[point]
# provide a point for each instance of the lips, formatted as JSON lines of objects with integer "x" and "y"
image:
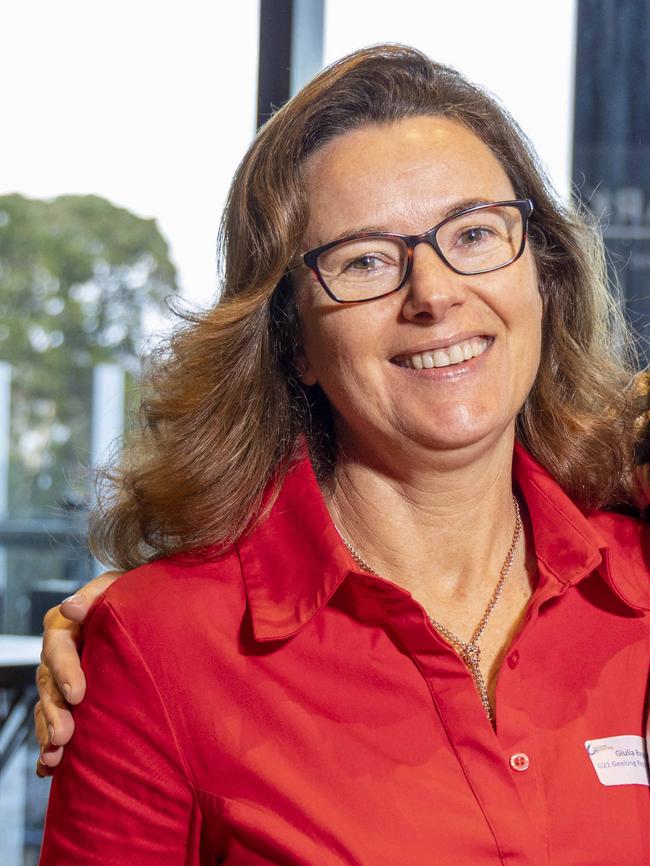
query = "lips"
{"x": 447, "y": 356}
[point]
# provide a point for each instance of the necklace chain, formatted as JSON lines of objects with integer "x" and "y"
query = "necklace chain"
{"x": 469, "y": 651}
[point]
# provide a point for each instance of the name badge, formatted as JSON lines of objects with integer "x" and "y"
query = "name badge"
{"x": 619, "y": 760}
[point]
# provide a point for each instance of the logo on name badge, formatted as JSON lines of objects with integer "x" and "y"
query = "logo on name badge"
{"x": 621, "y": 760}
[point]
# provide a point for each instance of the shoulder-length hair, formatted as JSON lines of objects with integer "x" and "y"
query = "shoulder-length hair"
{"x": 224, "y": 413}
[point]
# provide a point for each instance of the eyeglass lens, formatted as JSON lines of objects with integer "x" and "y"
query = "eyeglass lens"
{"x": 481, "y": 240}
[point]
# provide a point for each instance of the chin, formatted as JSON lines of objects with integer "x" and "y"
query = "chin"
{"x": 453, "y": 436}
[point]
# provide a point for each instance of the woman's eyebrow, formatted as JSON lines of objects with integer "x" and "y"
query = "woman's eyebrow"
{"x": 464, "y": 204}
{"x": 452, "y": 209}
{"x": 358, "y": 230}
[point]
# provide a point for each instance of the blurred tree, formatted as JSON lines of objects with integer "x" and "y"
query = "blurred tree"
{"x": 77, "y": 277}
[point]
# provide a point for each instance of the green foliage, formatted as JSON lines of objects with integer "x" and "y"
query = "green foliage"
{"x": 77, "y": 277}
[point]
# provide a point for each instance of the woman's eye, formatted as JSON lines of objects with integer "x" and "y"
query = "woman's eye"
{"x": 474, "y": 235}
{"x": 366, "y": 263}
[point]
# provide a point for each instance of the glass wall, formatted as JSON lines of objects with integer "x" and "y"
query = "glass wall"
{"x": 122, "y": 125}
{"x": 611, "y": 168}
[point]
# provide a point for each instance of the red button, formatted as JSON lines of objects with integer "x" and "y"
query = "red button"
{"x": 520, "y": 762}
{"x": 513, "y": 659}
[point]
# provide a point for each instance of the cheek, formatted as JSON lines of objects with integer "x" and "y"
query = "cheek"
{"x": 327, "y": 351}
{"x": 537, "y": 317}
{"x": 530, "y": 343}
{"x": 319, "y": 347}
{"x": 532, "y": 317}
{"x": 529, "y": 308}
{"x": 335, "y": 339}
{"x": 341, "y": 354}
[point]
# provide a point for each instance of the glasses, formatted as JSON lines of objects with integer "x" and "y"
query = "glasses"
{"x": 477, "y": 240}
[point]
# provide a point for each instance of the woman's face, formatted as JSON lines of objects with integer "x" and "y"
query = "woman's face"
{"x": 406, "y": 177}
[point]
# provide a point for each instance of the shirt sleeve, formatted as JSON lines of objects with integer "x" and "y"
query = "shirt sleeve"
{"x": 122, "y": 794}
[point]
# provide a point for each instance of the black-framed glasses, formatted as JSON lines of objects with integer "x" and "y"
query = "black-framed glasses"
{"x": 368, "y": 266}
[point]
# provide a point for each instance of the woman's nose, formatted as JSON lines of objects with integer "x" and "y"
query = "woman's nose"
{"x": 432, "y": 287}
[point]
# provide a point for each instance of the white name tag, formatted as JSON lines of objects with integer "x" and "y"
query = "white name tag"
{"x": 619, "y": 760}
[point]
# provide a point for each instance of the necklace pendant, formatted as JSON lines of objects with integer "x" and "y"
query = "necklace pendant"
{"x": 471, "y": 654}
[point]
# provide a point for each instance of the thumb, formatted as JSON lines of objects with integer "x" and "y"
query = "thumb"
{"x": 77, "y": 606}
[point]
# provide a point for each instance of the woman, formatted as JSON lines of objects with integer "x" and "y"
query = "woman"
{"x": 377, "y": 615}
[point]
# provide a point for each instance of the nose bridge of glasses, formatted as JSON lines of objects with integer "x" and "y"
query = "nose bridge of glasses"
{"x": 431, "y": 284}
{"x": 430, "y": 239}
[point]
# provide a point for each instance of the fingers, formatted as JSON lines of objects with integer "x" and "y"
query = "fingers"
{"x": 60, "y": 653}
{"x": 53, "y": 723}
{"x": 57, "y": 719}
{"x": 50, "y": 756}
{"x": 76, "y": 607}
{"x": 60, "y": 658}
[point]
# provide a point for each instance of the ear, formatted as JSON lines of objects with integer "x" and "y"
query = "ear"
{"x": 303, "y": 370}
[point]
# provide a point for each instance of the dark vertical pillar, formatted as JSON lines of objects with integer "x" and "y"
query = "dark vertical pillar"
{"x": 291, "y": 50}
{"x": 611, "y": 159}
{"x": 274, "y": 78}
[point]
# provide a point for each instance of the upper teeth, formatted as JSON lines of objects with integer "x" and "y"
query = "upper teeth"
{"x": 455, "y": 354}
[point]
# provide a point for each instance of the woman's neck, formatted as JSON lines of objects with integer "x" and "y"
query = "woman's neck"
{"x": 441, "y": 528}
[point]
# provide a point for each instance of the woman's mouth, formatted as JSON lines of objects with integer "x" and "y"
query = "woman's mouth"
{"x": 458, "y": 353}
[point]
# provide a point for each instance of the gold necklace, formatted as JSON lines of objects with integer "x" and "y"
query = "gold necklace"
{"x": 469, "y": 651}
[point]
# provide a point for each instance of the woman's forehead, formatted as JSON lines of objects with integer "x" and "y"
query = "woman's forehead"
{"x": 391, "y": 176}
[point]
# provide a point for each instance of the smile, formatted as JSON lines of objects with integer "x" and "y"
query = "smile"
{"x": 447, "y": 357}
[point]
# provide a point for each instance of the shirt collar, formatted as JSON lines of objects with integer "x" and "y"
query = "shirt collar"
{"x": 571, "y": 544}
{"x": 294, "y": 560}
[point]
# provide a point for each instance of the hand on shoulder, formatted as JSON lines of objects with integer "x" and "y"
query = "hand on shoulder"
{"x": 59, "y": 677}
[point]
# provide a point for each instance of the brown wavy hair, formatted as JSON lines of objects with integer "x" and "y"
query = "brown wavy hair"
{"x": 223, "y": 412}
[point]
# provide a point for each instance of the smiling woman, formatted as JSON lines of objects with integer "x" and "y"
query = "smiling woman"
{"x": 204, "y": 481}
{"x": 414, "y": 172}
{"x": 372, "y": 481}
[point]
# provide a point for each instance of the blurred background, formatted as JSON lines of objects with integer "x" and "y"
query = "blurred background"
{"x": 122, "y": 124}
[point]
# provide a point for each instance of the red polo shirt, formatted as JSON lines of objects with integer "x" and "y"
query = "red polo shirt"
{"x": 273, "y": 705}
